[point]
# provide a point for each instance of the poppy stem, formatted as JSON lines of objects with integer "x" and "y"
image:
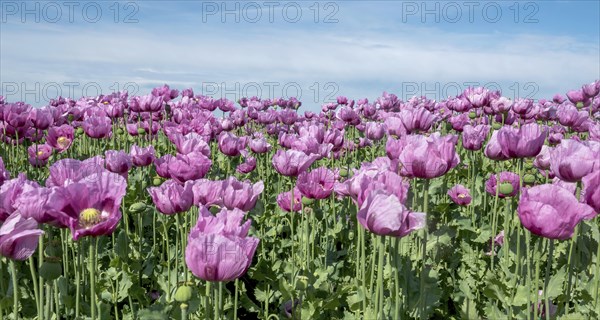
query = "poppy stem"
{"x": 547, "y": 279}
{"x": 92, "y": 266}
{"x": 13, "y": 272}
{"x": 422, "y": 291}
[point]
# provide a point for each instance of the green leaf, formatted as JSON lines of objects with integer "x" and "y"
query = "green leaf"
{"x": 555, "y": 285}
{"x": 521, "y": 296}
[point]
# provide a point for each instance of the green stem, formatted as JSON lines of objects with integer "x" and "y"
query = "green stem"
{"x": 547, "y": 280}
{"x": 235, "y": 299}
{"x": 92, "y": 267}
{"x": 13, "y": 272}
{"x": 35, "y": 286}
{"x": 422, "y": 291}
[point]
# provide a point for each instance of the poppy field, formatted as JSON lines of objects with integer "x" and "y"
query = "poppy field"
{"x": 174, "y": 205}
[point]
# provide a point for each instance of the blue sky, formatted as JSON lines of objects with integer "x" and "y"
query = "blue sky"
{"x": 316, "y": 50}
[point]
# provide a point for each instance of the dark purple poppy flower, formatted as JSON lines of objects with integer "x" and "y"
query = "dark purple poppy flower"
{"x": 383, "y": 214}
{"x": 60, "y": 138}
{"x": 524, "y": 142}
{"x": 91, "y": 207}
{"x": 507, "y": 182}
{"x": 118, "y": 162}
{"x": 317, "y": 184}
{"x": 142, "y": 157}
{"x": 551, "y": 211}
{"x": 219, "y": 248}
{"x": 348, "y": 115}
{"x": 460, "y": 195}
{"x": 172, "y": 197}
{"x": 19, "y": 237}
{"x": 292, "y": 162}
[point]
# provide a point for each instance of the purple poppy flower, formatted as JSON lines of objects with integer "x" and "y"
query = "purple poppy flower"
{"x": 348, "y": 115}
{"x": 151, "y": 103}
{"x": 417, "y": 120}
{"x": 284, "y": 200}
{"x": 247, "y": 166}
{"x": 4, "y": 174}
{"x": 383, "y": 214}
{"x": 571, "y": 160}
{"x": 317, "y": 184}
{"x": 460, "y": 195}
{"x": 551, "y": 211}
{"x": 186, "y": 167}
{"x": 91, "y": 207}
{"x": 191, "y": 142}
{"x": 508, "y": 181}
{"x": 219, "y": 248}
{"x": 39, "y": 154}
{"x": 230, "y": 144}
{"x": 591, "y": 90}
{"x": 118, "y": 162}
{"x": 591, "y": 190}
{"x": 291, "y": 163}
{"x": 10, "y": 192}
{"x": 542, "y": 160}
{"x": 142, "y": 157}
{"x": 207, "y": 192}
{"x": 428, "y": 157}
{"x": 501, "y": 105}
{"x": 19, "y": 237}
{"x": 97, "y": 127}
{"x": 576, "y": 96}
{"x": 473, "y": 137}
{"x": 172, "y": 197}
{"x": 240, "y": 195}
{"x": 259, "y": 145}
{"x": 41, "y": 118}
{"x": 524, "y": 142}
{"x": 60, "y": 138}
{"x": 162, "y": 166}
{"x": 375, "y": 130}
{"x": 67, "y": 171}
{"x": 33, "y": 203}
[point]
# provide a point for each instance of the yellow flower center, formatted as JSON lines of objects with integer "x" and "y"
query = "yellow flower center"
{"x": 105, "y": 102}
{"x": 461, "y": 195}
{"x": 39, "y": 153}
{"x": 89, "y": 217}
{"x": 63, "y": 142}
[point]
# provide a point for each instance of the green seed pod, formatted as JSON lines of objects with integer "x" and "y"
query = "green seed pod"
{"x": 53, "y": 250}
{"x": 351, "y": 235}
{"x": 528, "y": 165}
{"x": 301, "y": 283}
{"x": 506, "y": 188}
{"x": 70, "y": 117}
{"x": 137, "y": 207}
{"x": 343, "y": 173}
{"x": 157, "y": 181}
{"x": 497, "y": 125}
{"x": 579, "y": 105}
{"x": 183, "y": 294}
{"x": 214, "y": 209}
{"x": 50, "y": 270}
{"x": 120, "y": 131}
{"x": 141, "y": 131}
{"x": 130, "y": 139}
{"x": 307, "y": 202}
{"x": 472, "y": 115}
{"x": 79, "y": 131}
{"x": 529, "y": 179}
